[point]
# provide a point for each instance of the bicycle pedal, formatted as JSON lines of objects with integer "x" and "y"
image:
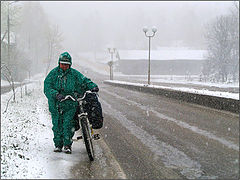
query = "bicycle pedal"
{"x": 79, "y": 137}
{"x": 96, "y": 136}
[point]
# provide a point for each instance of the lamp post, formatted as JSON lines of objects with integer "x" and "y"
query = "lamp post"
{"x": 145, "y": 30}
{"x": 110, "y": 63}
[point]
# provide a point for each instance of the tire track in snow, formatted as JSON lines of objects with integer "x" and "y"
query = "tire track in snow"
{"x": 194, "y": 129}
{"x": 171, "y": 156}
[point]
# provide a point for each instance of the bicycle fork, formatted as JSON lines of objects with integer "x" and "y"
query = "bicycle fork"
{"x": 91, "y": 132}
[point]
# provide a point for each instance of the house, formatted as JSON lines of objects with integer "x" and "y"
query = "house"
{"x": 164, "y": 61}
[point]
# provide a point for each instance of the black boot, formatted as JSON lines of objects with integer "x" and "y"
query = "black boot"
{"x": 57, "y": 149}
{"x": 67, "y": 149}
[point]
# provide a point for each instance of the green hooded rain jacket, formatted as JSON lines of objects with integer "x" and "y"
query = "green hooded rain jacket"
{"x": 67, "y": 83}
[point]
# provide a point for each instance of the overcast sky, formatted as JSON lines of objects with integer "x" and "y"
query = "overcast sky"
{"x": 98, "y": 25}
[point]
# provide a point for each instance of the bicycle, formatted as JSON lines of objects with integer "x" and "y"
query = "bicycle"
{"x": 86, "y": 127}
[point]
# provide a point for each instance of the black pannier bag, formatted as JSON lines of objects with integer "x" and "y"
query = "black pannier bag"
{"x": 94, "y": 109}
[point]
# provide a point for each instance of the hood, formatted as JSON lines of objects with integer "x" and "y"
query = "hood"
{"x": 65, "y": 58}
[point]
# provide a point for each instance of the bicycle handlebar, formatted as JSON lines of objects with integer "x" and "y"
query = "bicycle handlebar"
{"x": 78, "y": 99}
{"x": 68, "y": 97}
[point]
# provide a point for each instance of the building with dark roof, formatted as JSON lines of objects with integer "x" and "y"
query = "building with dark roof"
{"x": 167, "y": 61}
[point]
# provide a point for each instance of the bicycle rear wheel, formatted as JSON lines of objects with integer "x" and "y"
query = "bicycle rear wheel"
{"x": 87, "y": 138}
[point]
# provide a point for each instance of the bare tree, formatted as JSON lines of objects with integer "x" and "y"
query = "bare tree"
{"x": 234, "y": 33}
{"x": 217, "y": 38}
{"x": 9, "y": 21}
{"x": 32, "y": 35}
{"x": 3, "y": 36}
{"x": 8, "y": 75}
{"x": 54, "y": 39}
{"x": 223, "y": 48}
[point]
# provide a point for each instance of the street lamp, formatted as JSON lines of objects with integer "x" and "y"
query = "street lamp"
{"x": 110, "y": 63}
{"x": 145, "y": 30}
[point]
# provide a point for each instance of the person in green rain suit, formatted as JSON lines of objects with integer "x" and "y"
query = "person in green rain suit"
{"x": 61, "y": 81}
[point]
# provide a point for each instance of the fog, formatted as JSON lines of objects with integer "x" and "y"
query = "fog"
{"x": 98, "y": 25}
{"x": 40, "y": 31}
{"x": 170, "y": 111}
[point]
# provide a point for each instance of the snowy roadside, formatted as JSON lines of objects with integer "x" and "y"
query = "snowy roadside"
{"x": 183, "y": 89}
{"x": 6, "y": 83}
{"x": 20, "y": 128}
{"x": 35, "y": 78}
{"x": 26, "y": 138}
{"x": 179, "y": 79}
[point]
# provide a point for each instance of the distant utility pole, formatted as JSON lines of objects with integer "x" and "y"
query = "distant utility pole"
{"x": 8, "y": 25}
{"x": 110, "y": 63}
{"x": 145, "y": 30}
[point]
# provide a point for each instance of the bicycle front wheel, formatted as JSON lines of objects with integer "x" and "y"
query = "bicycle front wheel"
{"x": 87, "y": 138}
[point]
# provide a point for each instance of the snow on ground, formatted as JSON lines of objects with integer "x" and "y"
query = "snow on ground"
{"x": 184, "y": 89}
{"x": 180, "y": 79}
{"x": 197, "y": 82}
{"x": 6, "y": 83}
{"x": 34, "y": 78}
{"x": 26, "y": 138}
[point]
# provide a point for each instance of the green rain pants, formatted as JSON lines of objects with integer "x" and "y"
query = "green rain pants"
{"x": 63, "y": 128}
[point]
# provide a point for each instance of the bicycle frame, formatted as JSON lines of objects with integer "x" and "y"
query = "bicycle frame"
{"x": 85, "y": 125}
{"x": 83, "y": 114}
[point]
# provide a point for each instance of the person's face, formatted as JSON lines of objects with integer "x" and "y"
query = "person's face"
{"x": 64, "y": 66}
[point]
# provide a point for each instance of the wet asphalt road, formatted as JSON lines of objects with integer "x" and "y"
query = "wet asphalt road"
{"x": 153, "y": 137}
{"x": 147, "y": 133}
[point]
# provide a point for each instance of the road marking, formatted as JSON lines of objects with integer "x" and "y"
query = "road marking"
{"x": 195, "y": 129}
